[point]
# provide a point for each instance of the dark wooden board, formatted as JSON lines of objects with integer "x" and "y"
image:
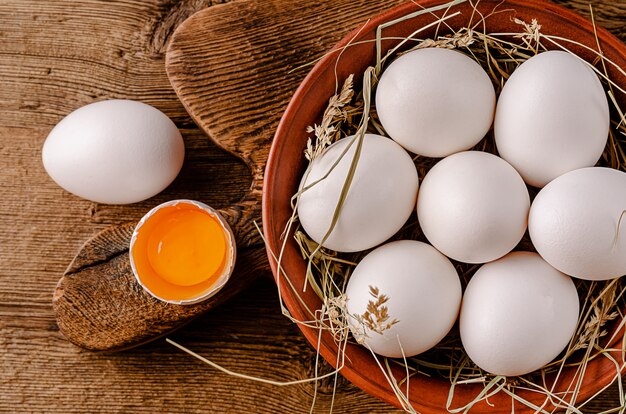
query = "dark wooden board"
{"x": 55, "y": 57}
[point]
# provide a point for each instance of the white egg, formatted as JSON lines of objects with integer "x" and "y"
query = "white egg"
{"x": 424, "y": 296}
{"x": 518, "y": 313}
{"x": 114, "y": 152}
{"x": 380, "y": 200}
{"x": 574, "y": 220}
{"x": 552, "y": 117}
{"x": 473, "y": 207}
{"x": 435, "y": 102}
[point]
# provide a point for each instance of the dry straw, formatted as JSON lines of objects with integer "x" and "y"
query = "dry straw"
{"x": 350, "y": 113}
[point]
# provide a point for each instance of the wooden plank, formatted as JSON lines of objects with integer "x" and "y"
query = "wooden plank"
{"x": 57, "y": 56}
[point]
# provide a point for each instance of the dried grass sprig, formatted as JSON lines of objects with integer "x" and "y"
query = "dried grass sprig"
{"x": 376, "y": 316}
{"x": 328, "y": 130}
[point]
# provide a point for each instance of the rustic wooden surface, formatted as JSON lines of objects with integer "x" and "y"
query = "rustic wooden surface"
{"x": 55, "y": 57}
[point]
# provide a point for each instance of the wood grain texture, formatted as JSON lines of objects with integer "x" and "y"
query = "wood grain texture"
{"x": 101, "y": 307}
{"x": 56, "y": 56}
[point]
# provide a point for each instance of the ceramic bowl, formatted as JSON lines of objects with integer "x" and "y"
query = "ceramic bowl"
{"x": 286, "y": 164}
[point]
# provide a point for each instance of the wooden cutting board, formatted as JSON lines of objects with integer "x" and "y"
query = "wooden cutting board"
{"x": 234, "y": 67}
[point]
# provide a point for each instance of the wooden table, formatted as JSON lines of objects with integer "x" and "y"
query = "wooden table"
{"x": 56, "y": 56}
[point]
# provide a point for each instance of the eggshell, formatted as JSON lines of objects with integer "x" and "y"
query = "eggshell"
{"x": 163, "y": 289}
{"x": 380, "y": 200}
{"x": 574, "y": 223}
{"x": 473, "y": 207}
{"x": 424, "y": 294}
{"x": 552, "y": 117}
{"x": 518, "y": 314}
{"x": 114, "y": 152}
{"x": 435, "y": 102}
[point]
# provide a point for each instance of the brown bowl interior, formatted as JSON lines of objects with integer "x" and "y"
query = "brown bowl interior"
{"x": 286, "y": 164}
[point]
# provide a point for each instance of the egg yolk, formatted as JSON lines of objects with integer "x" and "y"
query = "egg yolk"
{"x": 180, "y": 251}
{"x": 187, "y": 248}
